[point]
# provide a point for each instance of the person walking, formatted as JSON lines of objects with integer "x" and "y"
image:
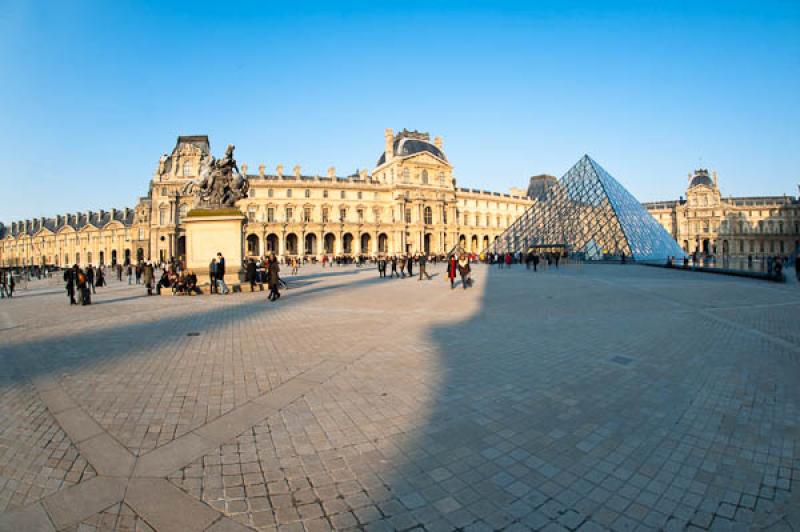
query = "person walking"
{"x": 212, "y": 275}
{"x": 464, "y": 270}
{"x": 130, "y": 274}
{"x": 423, "y": 261}
{"x": 100, "y": 281}
{"x": 83, "y": 286}
{"x": 90, "y": 278}
{"x": 381, "y": 267}
{"x": 251, "y": 274}
{"x": 138, "y": 272}
{"x": 2, "y": 283}
{"x": 410, "y": 266}
{"x": 273, "y": 279}
{"x": 797, "y": 266}
{"x": 11, "y": 284}
{"x": 452, "y": 267}
{"x": 149, "y": 277}
{"x": 223, "y": 287}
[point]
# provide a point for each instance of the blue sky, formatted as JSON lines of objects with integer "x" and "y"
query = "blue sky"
{"x": 91, "y": 93}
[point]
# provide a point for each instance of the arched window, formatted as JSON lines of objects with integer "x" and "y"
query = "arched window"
{"x": 428, "y": 215}
{"x": 424, "y": 177}
{"x": 162, "y": 216}
{"x": 187, "y": 168}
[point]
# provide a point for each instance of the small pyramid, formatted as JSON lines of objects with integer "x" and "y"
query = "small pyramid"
{"x": 590, "y": 213}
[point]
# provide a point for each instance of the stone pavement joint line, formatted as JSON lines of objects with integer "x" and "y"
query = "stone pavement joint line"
{"x": 560, "y": 400}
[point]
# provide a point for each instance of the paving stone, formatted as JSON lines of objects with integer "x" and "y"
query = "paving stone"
{"x": 389, "y": 404}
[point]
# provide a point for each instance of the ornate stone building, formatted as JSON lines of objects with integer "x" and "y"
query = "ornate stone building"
{"x": 409, "y": 203}
{"x": 712, "y": 225}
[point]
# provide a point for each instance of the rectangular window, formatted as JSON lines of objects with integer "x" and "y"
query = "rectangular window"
{"x": 408, "y": 216}
{"x": 270, "y": 192}
{"x": 360, "y": 215}
{"x": 325, "y": 193}
{"x": 359, "y": 194}
{"x": 307, "y": 214}
{"x": 270, "y": 215}
{"x": 308, "y": 193}
{"x": 342, "y": 213}
{"x": 288, "y": 192}
{"x": 444, "y": 216}
{"x": 325, "y": 214}
{"x": 288, "y": 214}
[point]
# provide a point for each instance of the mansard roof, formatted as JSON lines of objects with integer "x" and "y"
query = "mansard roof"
{"x": 76, "y": 221}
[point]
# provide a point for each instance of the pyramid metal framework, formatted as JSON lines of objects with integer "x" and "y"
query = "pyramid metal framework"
{"x": 590, "y": 214}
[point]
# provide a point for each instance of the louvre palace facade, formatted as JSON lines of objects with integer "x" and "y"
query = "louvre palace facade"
{"x": 408, "y": 203}
{"x": 709, "y": 224}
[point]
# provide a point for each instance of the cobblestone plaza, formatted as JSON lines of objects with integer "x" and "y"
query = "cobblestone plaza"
{"x": 585, "y": 398}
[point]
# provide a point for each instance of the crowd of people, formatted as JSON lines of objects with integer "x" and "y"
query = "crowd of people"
{"x": 82, "y": 283}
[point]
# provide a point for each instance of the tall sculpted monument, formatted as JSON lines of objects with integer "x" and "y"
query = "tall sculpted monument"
{"x": 214, "y": 225}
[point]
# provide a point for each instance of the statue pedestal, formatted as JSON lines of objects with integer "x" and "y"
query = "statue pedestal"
{"x": 212, "y": 231}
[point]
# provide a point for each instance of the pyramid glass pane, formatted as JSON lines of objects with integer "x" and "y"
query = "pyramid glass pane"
{"x": 588, "y": 212}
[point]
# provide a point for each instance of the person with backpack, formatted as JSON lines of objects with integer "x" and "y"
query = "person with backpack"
{"x": 222, "y": 286}
{"x": 83, "y": 287}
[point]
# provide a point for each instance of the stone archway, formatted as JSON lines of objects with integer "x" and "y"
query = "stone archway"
{"x": 383, "y": 243}
{"x": 330, "y": 244}
{"x": 272, "y": 243}
{"x": 426, "y": 245}
{"x": 347, "y": 243}
{"x": 253, "y": 246}
{"x": 365, "y": 242}
{"x": 291, "y": 244}
{"x": 310, "y": 247}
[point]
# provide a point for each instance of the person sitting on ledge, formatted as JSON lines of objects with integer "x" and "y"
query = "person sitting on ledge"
{"x": 191, "y": 284}
{"x": 162, "y": 283}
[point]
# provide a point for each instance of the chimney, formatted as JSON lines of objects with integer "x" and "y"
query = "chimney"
{"x": 244, "y": 169}
{"x": 331, "y": 172}
{"x": 389, "y": 146}
{"x": 261, "y": 171}
{"x": 690, "y": 178}
{"x": 127, "y": 212}
{"x": 438, "y": 142}
{"x": 714, "y": 173}
{"x": 297, "y": 171}
{"x": 113, "y": 213}
{"x": 102, "y": 214}
{"x": 279, "y": 171}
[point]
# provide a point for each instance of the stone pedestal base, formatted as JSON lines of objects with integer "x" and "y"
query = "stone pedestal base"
{"x": 213, "y": 231}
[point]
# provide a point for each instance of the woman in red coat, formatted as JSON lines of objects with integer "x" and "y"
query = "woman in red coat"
{"x": 452, "y": 267}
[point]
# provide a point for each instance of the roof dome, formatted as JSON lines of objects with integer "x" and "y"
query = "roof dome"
{"x": 405, "y": 146}
{"x": 701, "y": 178}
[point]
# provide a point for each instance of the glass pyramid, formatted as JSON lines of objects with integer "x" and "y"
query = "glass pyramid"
{"x": 590, "y": 214}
